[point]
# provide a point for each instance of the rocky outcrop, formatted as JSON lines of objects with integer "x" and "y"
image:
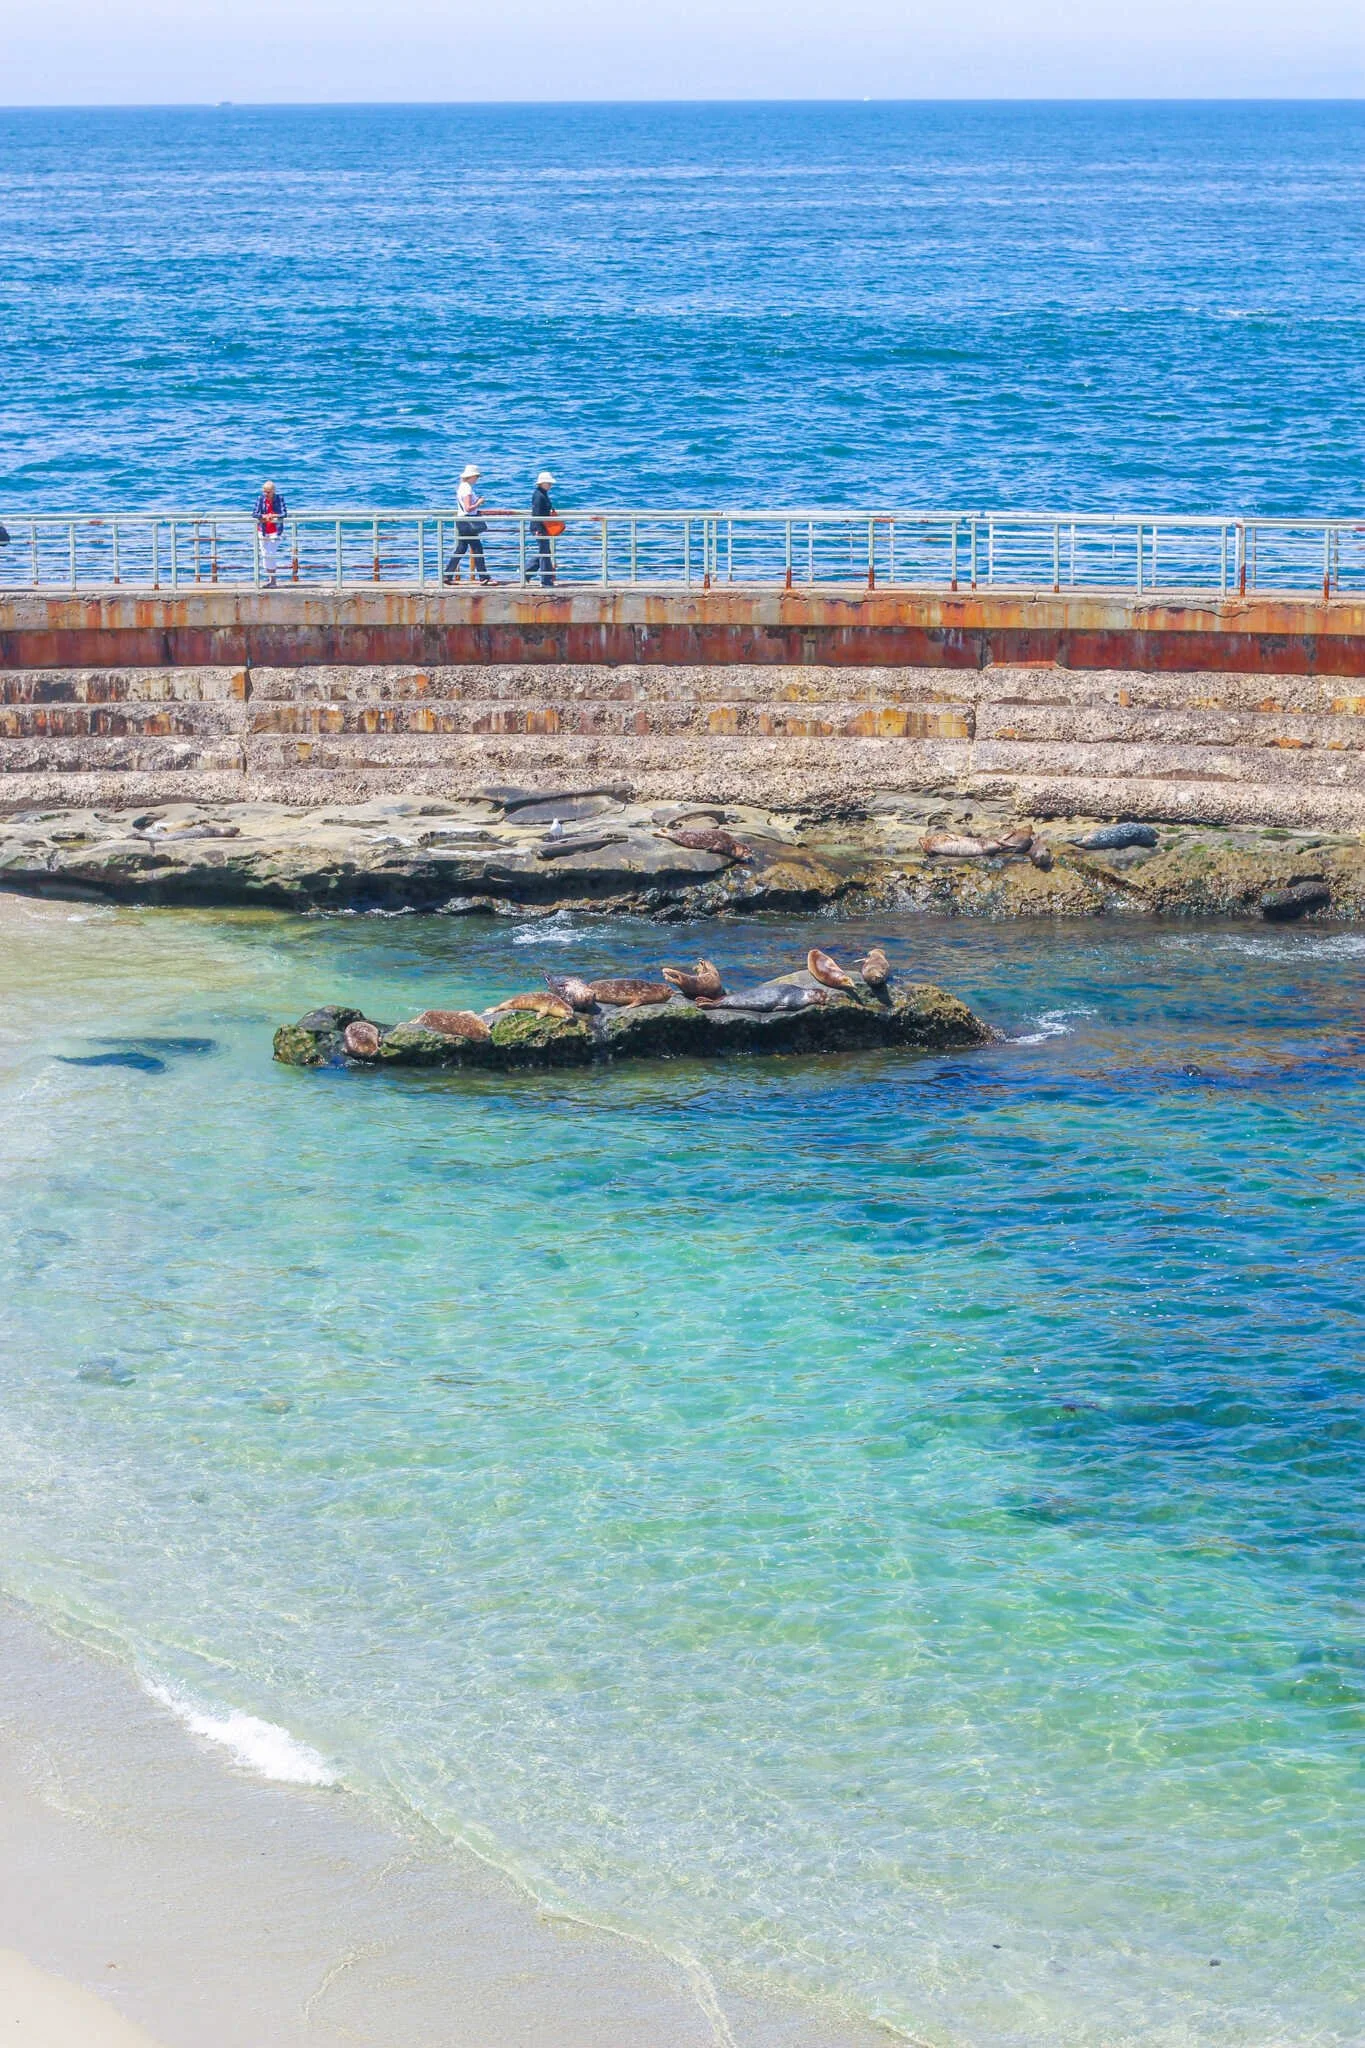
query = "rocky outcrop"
{"x": 595, "y": 847}
{"x": 791, "y": 1014}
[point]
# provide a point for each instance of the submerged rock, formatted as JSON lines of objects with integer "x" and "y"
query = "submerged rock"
{"x": 106, "y": 1372}
{"x": 790, "y": 1014}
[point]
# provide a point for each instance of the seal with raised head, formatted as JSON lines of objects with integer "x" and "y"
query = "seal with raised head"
{"x": 456, "y": 1024}
{"x": 826, "y": 969}
{"x": 702, "y": 985}
{"x": 876, "y": 969}
{"x": 538, "y": 1001}
{"x": 361, "y": 1039}
{"x": 573, "y": 990}
{"x": 626, "y": 993}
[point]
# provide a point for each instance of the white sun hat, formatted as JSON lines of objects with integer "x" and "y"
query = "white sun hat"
{"x": 470, "y": 469}
{"x": 545, "y": 477}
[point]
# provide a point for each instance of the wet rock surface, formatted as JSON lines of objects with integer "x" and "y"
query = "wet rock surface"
{"x": 522, "y": 852}
{"x": 793, "y": 1013}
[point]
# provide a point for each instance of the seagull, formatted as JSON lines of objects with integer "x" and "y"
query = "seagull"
{"x": 556, "y": 830}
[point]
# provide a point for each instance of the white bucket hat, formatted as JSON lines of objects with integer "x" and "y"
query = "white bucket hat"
{"x": 545, "y": 477}
{"x": 470, "y": 469}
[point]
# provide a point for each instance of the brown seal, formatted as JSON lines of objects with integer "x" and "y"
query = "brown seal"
{"x": 628, "y": 994}
{"x": 361, "y": 1039}
{"x": 572, "y": 990}
{"x": 712, "y": 841}
{"x": 456, "y": 1024}
{"x": 827, "y": 970}
{"x": 703, "y": 984}
{"x": 876, "y": 969}
{"x": 1017, "y": 840}
{"x": 952, "y": 845}
{"x": 537, "y": 1000}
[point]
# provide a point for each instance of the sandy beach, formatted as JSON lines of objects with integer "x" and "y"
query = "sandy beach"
{"x": 153, "y": 1894}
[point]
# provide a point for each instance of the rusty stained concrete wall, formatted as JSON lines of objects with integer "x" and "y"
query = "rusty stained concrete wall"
{"x": 1210, "y": 745}
{"x": 298, "y": 627}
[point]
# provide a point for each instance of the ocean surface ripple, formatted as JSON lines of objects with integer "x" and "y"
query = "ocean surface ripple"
{"x": 1109, "y": 306}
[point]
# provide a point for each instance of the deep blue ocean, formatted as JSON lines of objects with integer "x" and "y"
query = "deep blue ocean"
{"x": 1066, "y": 305}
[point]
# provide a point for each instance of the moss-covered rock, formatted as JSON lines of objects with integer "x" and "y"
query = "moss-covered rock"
{"x": 792, "y": 1014}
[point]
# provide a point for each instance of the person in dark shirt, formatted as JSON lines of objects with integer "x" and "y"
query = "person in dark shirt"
{"x": 541, "y": 560}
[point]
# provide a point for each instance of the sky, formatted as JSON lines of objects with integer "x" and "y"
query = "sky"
{"x": 150, "y": 52}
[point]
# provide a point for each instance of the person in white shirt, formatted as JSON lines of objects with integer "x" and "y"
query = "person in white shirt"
{"x": 468, "y": 527}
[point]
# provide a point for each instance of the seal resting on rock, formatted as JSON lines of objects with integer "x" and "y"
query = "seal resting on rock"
{"x": 876, "y": 969}
{"x": 629, "y": 994}
{"x": 1017, "y": 840}
{"x": 774, "y": 995}
{"x": 538, "y": 1001}
{"x": 361, "y": 1039}
{"x": 702, "y": 985}
{"x": 572, "y": 990}
{"x": 455, "y": 1024}
{"x": 952, "y": 845}
{"x": 708, "y": 840}
{"x": 826, "y": 969}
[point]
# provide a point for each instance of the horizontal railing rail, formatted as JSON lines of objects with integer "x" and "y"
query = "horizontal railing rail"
{"x": 666, "y": 550}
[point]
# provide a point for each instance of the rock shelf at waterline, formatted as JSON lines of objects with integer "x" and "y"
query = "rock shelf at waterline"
{"x": 599, "y": 849}
{"x": 793, "y": 1013}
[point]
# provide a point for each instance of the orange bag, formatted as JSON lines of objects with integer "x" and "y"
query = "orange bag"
{"x": 554, "y": 527}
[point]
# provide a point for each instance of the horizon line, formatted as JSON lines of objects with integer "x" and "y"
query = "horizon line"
{"x": 1301, "y": 99}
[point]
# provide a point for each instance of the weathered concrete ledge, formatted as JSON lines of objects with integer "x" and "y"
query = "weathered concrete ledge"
{"x": 812, "y": 1019}
{"x": 300, "y": 627}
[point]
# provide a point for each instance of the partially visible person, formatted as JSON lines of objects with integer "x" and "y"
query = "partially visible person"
{"x": 271, "y": 512}
{"x": 541, "y": 560}
{"x": 468, "y": 527}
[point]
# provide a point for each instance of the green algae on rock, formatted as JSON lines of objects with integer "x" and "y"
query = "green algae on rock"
{"x": 818, "y": 1020}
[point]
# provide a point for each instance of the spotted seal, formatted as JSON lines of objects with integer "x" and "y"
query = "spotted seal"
{"x": 456, "y": 1024}
{"x": 876, "y": 968}
{"x": 538, "y": 1001}
{"x": 702, "y": 985}
{"x": 361, "y": 1039}
{"x": 774, "y": 995}
{"x": 952, "y": 845}
{"x": 711, "y": 840}
{"x": 571, "y": 989}
{"x": 627, "y": 993}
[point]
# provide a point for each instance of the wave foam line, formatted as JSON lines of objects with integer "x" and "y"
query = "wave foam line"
{"x": 260, "y": 1746}
{"x": 1052, "y": 1024}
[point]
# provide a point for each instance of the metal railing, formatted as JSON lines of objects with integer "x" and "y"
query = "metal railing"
{"x": 805, "y": 549}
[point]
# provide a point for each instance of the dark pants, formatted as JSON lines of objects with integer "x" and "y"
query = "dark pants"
{"x": 470, "y": 544}
{"x": 539, "y": 560}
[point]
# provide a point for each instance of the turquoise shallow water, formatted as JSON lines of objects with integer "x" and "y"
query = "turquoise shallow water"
{"x": 887, "y": 1528}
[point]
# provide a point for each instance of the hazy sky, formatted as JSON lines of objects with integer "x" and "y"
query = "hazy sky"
{"x": 68, "y": 52}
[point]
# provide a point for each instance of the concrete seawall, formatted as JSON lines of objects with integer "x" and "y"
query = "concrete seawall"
{"x": 1241, "y": 710}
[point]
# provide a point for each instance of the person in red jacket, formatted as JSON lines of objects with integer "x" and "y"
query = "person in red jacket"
{"x": 271, "y": 511}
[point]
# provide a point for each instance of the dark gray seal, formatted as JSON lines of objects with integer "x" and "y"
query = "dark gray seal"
{"x": 1113, "y": 838}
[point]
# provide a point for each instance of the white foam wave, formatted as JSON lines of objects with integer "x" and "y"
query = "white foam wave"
{"x": 1303, "y": 945}
{"x": 260, "y": 1746}
{"x": 551, "y": 931}
{"x": 1052, "y": 1024}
